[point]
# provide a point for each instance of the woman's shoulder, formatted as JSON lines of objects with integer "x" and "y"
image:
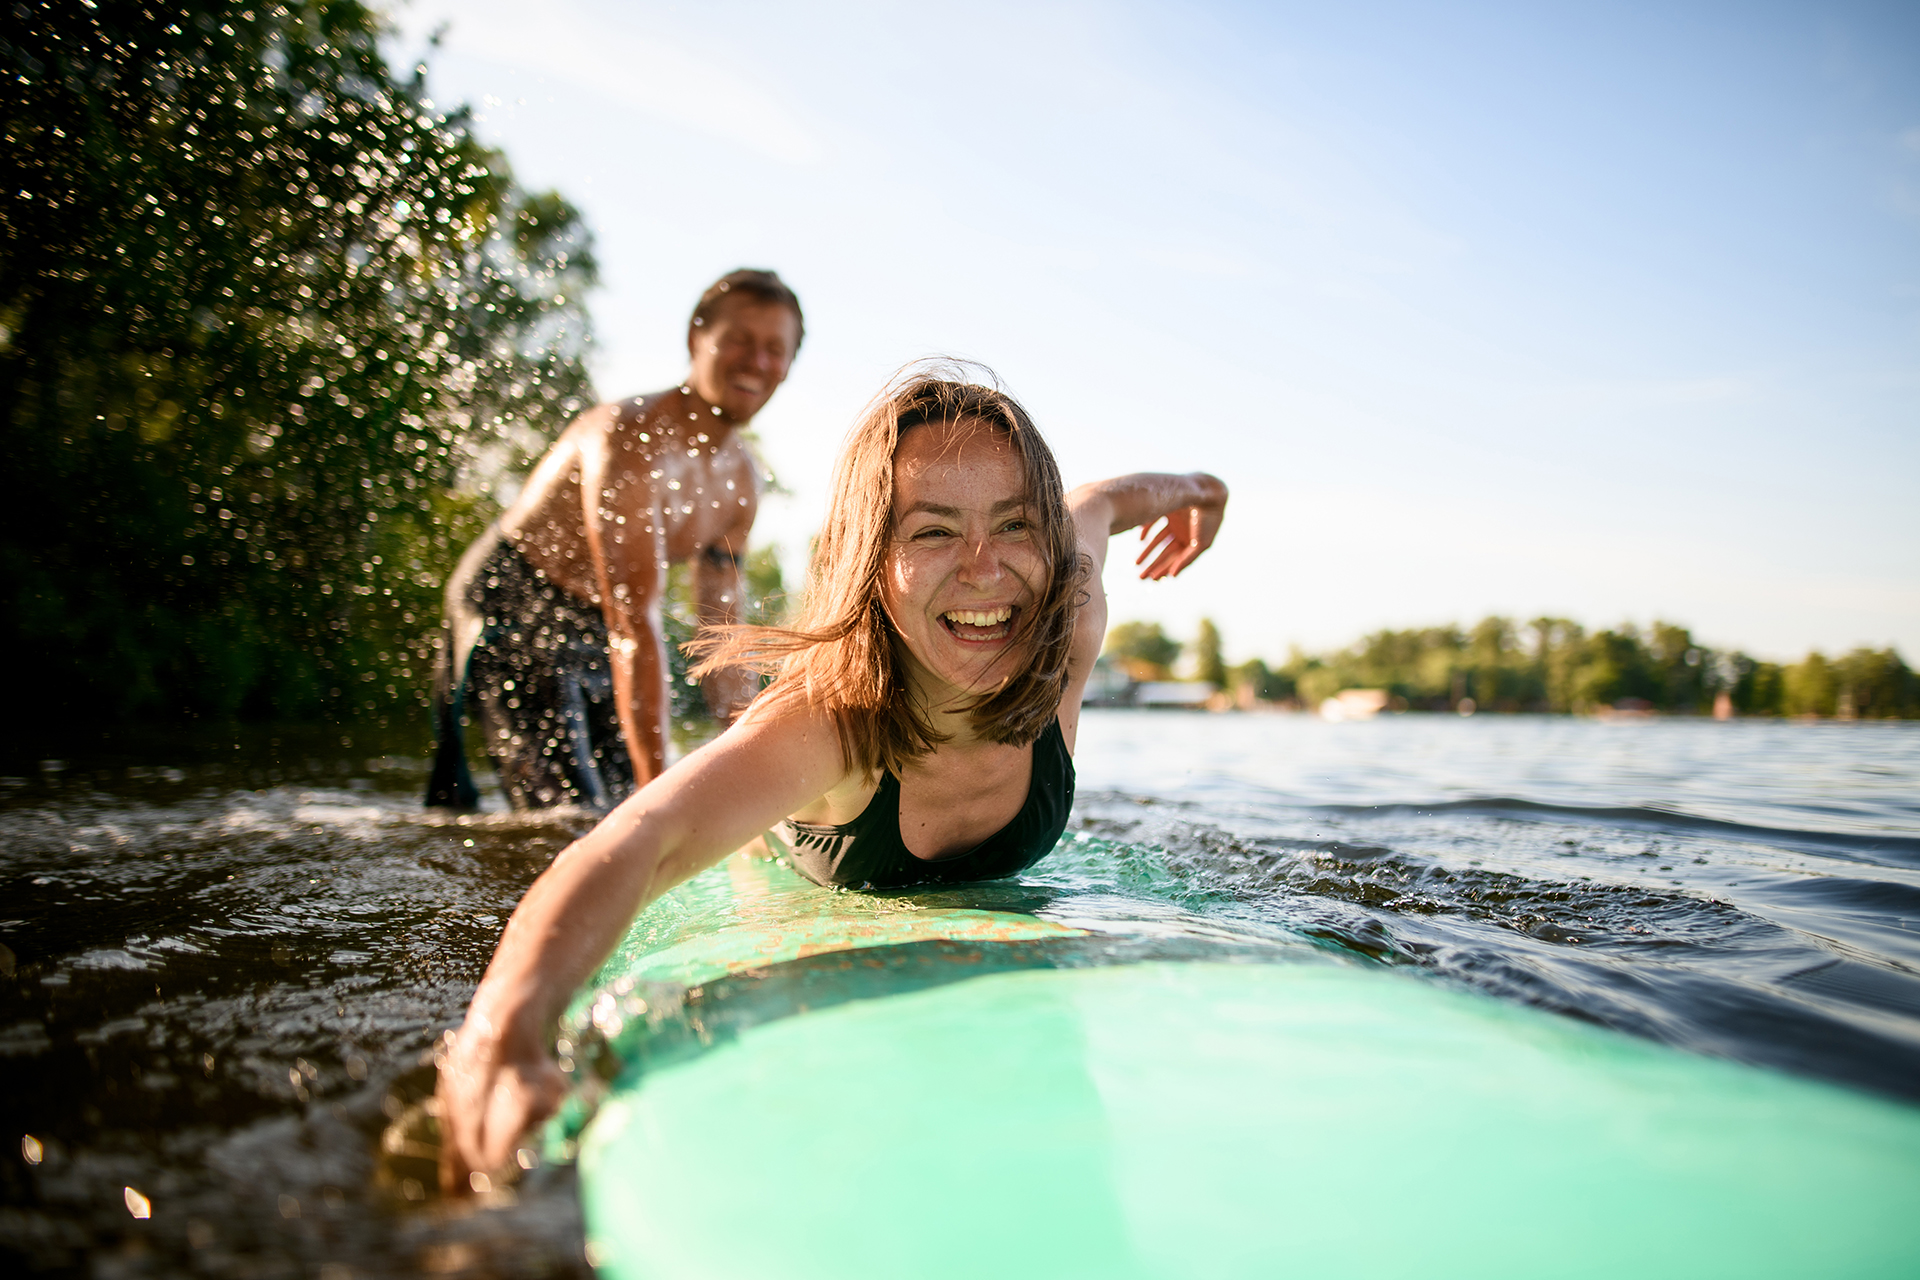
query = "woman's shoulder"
{"x": 773, "y": 761}
{"x": 785, "y": 728}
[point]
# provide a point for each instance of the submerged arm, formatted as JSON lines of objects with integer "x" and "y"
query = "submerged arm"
{"x": 498, "y": 1077}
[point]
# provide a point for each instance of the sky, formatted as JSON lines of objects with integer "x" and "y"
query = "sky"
{"x": 1609, "y": 312}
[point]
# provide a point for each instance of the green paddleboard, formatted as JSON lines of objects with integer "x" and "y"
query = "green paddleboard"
{"x": 793, "y": 1083}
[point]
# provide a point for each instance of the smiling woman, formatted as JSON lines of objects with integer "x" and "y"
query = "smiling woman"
{"x": 946, "y": 501}
{"x": 920, "y": 726}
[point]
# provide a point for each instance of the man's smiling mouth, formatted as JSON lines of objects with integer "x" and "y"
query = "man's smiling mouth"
{"x": 978, "y": 624}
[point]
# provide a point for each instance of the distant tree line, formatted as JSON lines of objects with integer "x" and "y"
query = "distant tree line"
{"x": 270, "y": 323}
{"x": 1549, "y": 664}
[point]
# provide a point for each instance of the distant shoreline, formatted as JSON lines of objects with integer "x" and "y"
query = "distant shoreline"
{"x": 1547, "y": 665}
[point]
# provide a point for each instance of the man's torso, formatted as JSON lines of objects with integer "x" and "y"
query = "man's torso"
{"x": 676, "y": 477}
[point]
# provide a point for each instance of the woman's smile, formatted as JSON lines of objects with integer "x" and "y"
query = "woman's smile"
{"x": 979, "y": 625}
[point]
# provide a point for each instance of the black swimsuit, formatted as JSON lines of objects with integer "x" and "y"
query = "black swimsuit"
{"x": 868, "y": 852}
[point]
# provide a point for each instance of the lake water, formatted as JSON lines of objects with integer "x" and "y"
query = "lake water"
{"x": 226, "y": 962}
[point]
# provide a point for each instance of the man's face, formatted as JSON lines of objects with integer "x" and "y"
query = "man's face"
{"x": 741, "y": 354}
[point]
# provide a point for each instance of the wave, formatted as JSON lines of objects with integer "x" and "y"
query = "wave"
{"x": 1678, "y": 928}
{"x": 1884, "y": 850}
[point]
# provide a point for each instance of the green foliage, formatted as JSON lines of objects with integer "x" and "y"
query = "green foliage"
{"x": 1758, "y": 688}
{"x": 1261, "y": 682}
{"x": 1615, "y": 669}
{"x": 1143, "y": 649}
{"x": 1866, "y": 684}
{"x": 269, "y": 323}
{"x": 1314, "y": 681}
{"x": 1876, "y": 685}
{"x": 1808, "y": 687}
{"x": 766, "y": 588}
{"x": 1208, "y": 664}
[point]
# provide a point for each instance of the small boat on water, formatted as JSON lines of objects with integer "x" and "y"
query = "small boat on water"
{"x": 1354, "y": 704}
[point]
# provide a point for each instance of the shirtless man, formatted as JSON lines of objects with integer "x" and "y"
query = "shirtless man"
{"x": 553, "y": 616}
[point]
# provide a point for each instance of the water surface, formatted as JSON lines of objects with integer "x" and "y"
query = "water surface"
{"x": 226, "y": 964}
{"x": 1746, "y": 889}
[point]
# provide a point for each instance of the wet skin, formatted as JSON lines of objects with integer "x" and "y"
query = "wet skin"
{"x": 633, "y": 487}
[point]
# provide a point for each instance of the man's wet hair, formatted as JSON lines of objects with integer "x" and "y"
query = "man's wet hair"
{"x": 749, "y": 282}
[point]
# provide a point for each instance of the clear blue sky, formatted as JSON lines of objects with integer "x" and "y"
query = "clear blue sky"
{"x": 1604, "y": 311}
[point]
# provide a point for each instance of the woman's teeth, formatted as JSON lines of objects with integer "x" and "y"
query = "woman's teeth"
{"x": 979, "y": 617}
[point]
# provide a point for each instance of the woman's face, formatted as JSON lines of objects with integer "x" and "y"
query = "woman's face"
{"x": 963, "y": 564}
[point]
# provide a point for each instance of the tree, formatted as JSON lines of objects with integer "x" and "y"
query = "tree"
{"x": 271, "y": 324}
{"x": 1808, "y": 687}
{"x": 1875, "y": 685}
{"x": 1759, "y": 688}
{"x": 1558, "y": 643}
{"x": 1615, "y": 666}
{"x": 1208, "y": 664}
{"x": 1142, "y": 649}
{"x": 1679, "y": 668}
{"x": 1261, "y": 682}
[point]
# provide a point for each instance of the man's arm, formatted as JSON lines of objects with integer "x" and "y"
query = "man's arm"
{"x": 626, "y": 540}
{"x": 720, "y": 593}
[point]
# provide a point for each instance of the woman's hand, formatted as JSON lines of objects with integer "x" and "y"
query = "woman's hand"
{"x": 1177, "y": 539}
{"x": 1177, "y": 516}
{"x": 496, "y": 1079}
{"x": 490, "y": 1095}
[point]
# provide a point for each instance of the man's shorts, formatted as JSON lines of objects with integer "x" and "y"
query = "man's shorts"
{"x": 533, "y": 659}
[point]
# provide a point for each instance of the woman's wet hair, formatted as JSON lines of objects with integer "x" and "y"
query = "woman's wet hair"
{"x": 842, "y": 653}
{"x": 755, "y": 284}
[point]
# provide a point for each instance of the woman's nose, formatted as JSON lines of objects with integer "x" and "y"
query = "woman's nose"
{"x": 981, "y": 561}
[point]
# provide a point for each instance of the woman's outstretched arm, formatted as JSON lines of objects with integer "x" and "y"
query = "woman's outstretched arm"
{"x": 1177, "y": 515}
{"x": 1187, "y": 510}
{"x": 499, "y": 1077}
